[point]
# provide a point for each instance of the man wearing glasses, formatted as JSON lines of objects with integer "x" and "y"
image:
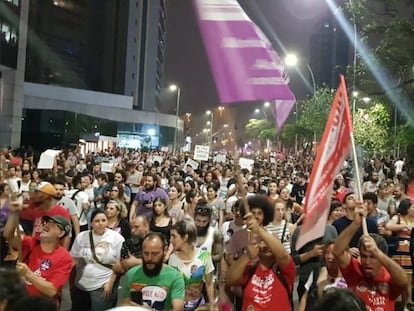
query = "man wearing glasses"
{"x": 45, "y": 265}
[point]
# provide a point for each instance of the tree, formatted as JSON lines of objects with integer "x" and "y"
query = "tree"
{"x": 388, "y": 27}
{"x": 313, "y": 113}
{"x": 262, "y": 129}
{"x": 371, "y": 129}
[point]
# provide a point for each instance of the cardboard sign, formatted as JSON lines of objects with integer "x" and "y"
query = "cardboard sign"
{"x": 106, "y": 167}
{"x": 246, "y": 163}
{"x": 158, "y": 159}
{"x": 220, "y": 158}
{"x": 201, "y": 153}
{"x": 193, "y": 164}
{"x": 47, "y": 159}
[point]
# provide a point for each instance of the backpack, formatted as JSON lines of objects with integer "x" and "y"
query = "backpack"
{"x": 278, "y": 274}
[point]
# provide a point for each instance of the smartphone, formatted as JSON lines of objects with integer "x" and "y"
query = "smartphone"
{"x": 136, "y": 296}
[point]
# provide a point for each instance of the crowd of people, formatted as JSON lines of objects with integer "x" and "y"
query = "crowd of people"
{"x": 173, "y": 235}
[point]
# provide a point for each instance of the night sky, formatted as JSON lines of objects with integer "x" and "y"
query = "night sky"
{"x": 291, "y": 22}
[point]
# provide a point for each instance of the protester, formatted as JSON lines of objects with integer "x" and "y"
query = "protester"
{"x": 12, "y": 289}
{"x": 195, "y": 264}
{"x": 261, "y": 282}
{"x": 117, "y": 220}
{"x": 376, "y": 279}
{"x": 45, "y": 265}
{"x": 95, "y": 251}
{"x": 154, "y": 284}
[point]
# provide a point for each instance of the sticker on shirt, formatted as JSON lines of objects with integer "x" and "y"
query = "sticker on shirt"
{"x": 45, "y": 265}
{"x": 154, "y": 296}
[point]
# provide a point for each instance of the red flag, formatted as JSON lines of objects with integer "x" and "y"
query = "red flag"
{"x": 332, "y": 151}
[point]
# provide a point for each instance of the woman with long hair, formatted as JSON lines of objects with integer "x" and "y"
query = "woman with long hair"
{"x": 94, "y": 284}
{"x": 117, "y": 218}
{"x": 175, "y": 206}
{"x": 402, "y": 224}
{"x": 161, "y": 220}
{"x": 191, "y": 198}
{"x": 195, "y": 265}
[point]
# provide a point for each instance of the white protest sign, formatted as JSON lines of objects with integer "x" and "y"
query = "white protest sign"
{"x": 201, "y": 152}
{"x": 193, "y": 164}
{"x": 246, "y": 163}
{"x": 220, "y": 158}
{"x": 273, "y": 160}
{"x": 106, "y": 167}
{"x": 47, "y": 159}
{"x": 158, "y": 159}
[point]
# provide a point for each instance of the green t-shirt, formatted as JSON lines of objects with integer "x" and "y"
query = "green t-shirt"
{"x": 157, "y": 292}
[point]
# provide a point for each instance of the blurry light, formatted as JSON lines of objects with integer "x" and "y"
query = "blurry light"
{"x": 151, "y": 132}
{"x": 256, "y": 110}
{"x": 97, "y": 134}
{"x": 173, "y": 87}
{"x": 291, "y": 60}
{"x": 208, "y": 112}
{"x": 355, "y": 93}
{"x": 266, "y": 104}
{"x": 366, "y": 99}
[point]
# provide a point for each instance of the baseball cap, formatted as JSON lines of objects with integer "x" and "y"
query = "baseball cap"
{"x": 60, "y": 220}
{"x": 46, "y": 188}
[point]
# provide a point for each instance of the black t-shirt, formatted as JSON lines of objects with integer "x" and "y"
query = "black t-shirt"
{"x": 298, "y": 192}
{"x": 343, "y": 222}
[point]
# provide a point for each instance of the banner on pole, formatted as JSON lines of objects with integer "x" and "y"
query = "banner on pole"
{"x": 332, "y": 151}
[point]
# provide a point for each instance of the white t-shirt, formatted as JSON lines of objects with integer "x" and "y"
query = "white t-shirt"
{"x": 80, "y": 198}
{"x": 107, "y": 249}
{"x": 398, "y": 165}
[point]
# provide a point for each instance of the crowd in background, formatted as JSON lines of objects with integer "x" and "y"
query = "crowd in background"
{"x": 179, "y": 237}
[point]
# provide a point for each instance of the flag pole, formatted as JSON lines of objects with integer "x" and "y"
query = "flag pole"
{"x": 358, "y": 178}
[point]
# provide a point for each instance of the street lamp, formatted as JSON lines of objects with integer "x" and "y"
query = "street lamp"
{"x": 175, "y": 88}
{"x": 291, "y": 60}
{"x": 211, "y": 114}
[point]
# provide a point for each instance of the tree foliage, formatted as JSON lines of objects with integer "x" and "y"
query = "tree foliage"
{"x": 371, "y": 128}
{"x": 262, "y": 129}
{"x": 314, "y": 111}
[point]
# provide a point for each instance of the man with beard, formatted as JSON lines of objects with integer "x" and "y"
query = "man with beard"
{"x": 68, "y": 204}
{"x": 131, "y": 251}
{"x": 372, "y": 184}
{"x": 208, "y": 238}
{"x": 154, "y": 284}
{"x": 143, "y": 201}
{"x": 376, "y": 278}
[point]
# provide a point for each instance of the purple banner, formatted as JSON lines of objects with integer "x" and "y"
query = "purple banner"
{"x": 245, "y": 67}
{"x": 281, "y": 110}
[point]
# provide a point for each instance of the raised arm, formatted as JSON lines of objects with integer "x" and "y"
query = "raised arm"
{"x": 341, "y": 245}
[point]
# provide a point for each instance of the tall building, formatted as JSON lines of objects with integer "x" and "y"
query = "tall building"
{"x": 329, "y": 49}
{"x": 93, "y": 68}
{"x": 144, "y": 71}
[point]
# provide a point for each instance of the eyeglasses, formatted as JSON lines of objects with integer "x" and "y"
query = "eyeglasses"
{"x": 50, "y": 222}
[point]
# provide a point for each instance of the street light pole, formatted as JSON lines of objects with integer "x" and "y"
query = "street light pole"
{"x": 210, "y": 112}
{"x": 177, "y": 109}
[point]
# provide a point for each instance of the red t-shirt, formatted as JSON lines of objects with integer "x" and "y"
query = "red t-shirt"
{"x": 379, "y": 293}
{"x": 39, "y": 213}
{"x": 28, "y": 213}
{"x": 53, "y": 267}
{"x": 264, "y": 286}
